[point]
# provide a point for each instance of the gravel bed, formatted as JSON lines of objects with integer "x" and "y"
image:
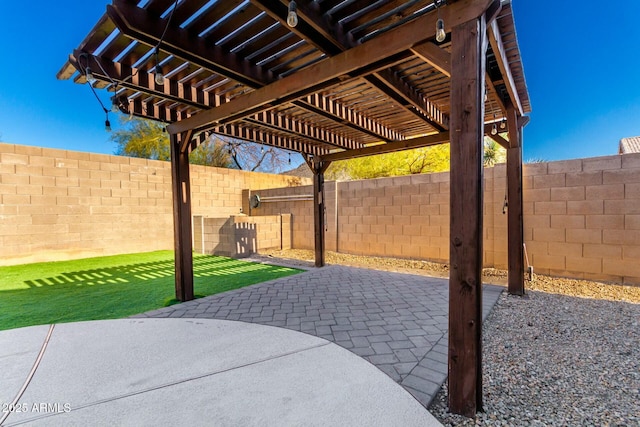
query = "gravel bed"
{"x": 557, "y": 360}
{"x": 567, "y": 354}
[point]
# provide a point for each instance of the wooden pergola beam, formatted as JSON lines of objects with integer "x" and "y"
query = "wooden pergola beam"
{"x": 181, "y": 187}
{"x": 435, "y": 56}
{"x": 468, "y": 56}
{"x": 440, "y": 59}
{"x": 392, "y": 147}
{"x": 410, "y": 99}
{"x": 318, "y": 167}
{"x": 234, "y": 130}
{"x": 335, "y": 111}
{"x": 142, "y": 26}
{"x": 515, "y": 226}
{"x": 503, "y": 64}
{"x": 499, "y": 139}
{"x": 175, "y": 92}
{"x": 364, "y": 59}
{"x": 331, "y": 38}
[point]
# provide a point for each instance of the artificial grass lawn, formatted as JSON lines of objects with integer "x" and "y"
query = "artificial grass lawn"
{"x": 114, "y": 286}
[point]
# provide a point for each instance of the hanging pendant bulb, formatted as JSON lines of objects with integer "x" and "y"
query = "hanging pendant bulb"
{"x": 441, "y": 35}
{"x": 494, "y": 129}
{"x": 289, "y": 158}
{"x": 503, "y": 124}
{"x": 89, "y": 76}
{"x": 262, "y": 149}
{"x": 292, "y": 16}
{"x": 107, "y": 124}
{"x": 159, "y": 78}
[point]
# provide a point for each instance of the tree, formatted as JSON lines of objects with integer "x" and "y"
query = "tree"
{"x": 408, "y": 162}
{"x": 494, "y": 153}
{"x": 211, "y": 153}
{"x": 141, "y": 138}
{"x": 148, "y": 139}
{"x": 256, "y": 157}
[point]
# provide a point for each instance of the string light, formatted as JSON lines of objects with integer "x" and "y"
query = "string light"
{"x": 441, "y": 34}
{"x": 159, "y": 78}
{"x": 503, "y": 124}
{"x": 89, "y": 76}
{"x": 289, "y": 158}
{"x": 292, "y": 16}
{"x": 107, "y": 123}
{"x": 494, "y": 128}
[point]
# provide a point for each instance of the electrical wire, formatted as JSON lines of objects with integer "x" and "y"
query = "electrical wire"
{"x": 175, "y": 6}
{"x": 98, "y": 98}
{"x": 164, "y": 32}
{"x": 114, "y": 82}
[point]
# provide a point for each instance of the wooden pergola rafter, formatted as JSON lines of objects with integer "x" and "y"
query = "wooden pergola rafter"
{"x": 352, "y": 79}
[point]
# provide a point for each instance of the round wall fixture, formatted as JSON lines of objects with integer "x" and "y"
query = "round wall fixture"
{"x": 254, "y": 201}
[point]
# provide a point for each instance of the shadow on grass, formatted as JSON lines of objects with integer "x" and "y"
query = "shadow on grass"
{"x": 121, "y": 290}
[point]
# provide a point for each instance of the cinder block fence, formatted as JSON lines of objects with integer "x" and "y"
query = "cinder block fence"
{"x": 581, "y": 217}
{"x": 58, "y": 204}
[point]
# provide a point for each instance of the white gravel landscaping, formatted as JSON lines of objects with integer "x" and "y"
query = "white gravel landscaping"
{"x": 556, "y": 360}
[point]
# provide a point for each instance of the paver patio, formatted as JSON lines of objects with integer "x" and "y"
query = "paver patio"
{"x": 398, "y": 322}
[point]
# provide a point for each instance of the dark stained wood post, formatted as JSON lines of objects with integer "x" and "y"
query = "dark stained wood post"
{"x": 515, "y": 227}
{"x": 318, "y": 167}
{"x": 468, "y": 56}
{"x": 182, "y": 216}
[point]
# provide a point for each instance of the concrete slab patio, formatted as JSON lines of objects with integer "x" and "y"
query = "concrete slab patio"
{"x": 398, "y": 322}
{"x": 192, "y": 372}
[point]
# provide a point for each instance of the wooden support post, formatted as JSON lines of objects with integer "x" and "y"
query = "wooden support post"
{"x": 318, "y": 167}
{"x": 515, "y": 227}
{"x": 468, "y": 53}
{"x": 182, "y": 216}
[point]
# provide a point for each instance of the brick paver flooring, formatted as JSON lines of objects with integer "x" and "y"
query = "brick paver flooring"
{"x": 398, "y": 322}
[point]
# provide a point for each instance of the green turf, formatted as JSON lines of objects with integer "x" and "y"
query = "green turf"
{"x": 114, "y": 286}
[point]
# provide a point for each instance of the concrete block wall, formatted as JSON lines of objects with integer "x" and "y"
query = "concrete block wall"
{"x": 301, "y": 212}
{"x": 241, "y": 236}
{"x": 58, "y": 204}
{"x": 581, "y": 217}
{"x": 406, "y": 217}
{"x": 402, "y": 217}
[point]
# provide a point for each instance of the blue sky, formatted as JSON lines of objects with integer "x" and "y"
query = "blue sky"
{"x": 580, "y": 58}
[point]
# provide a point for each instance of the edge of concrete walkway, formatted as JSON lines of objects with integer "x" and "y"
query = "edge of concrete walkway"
{"x": 195, "y": 372}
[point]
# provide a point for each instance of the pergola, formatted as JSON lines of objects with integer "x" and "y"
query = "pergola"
{"x": 352, "y": 78}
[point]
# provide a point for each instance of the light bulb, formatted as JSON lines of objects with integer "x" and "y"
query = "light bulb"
{"x": 107, "y": 125}
{"x": 440, "y": 33}
{"x": 159, "y": 76}
{"x": 292, "y": 17}
{"x": 494, "y": 129}
{"x": 89, "y": 75}
{"x": 503, "y": 124}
